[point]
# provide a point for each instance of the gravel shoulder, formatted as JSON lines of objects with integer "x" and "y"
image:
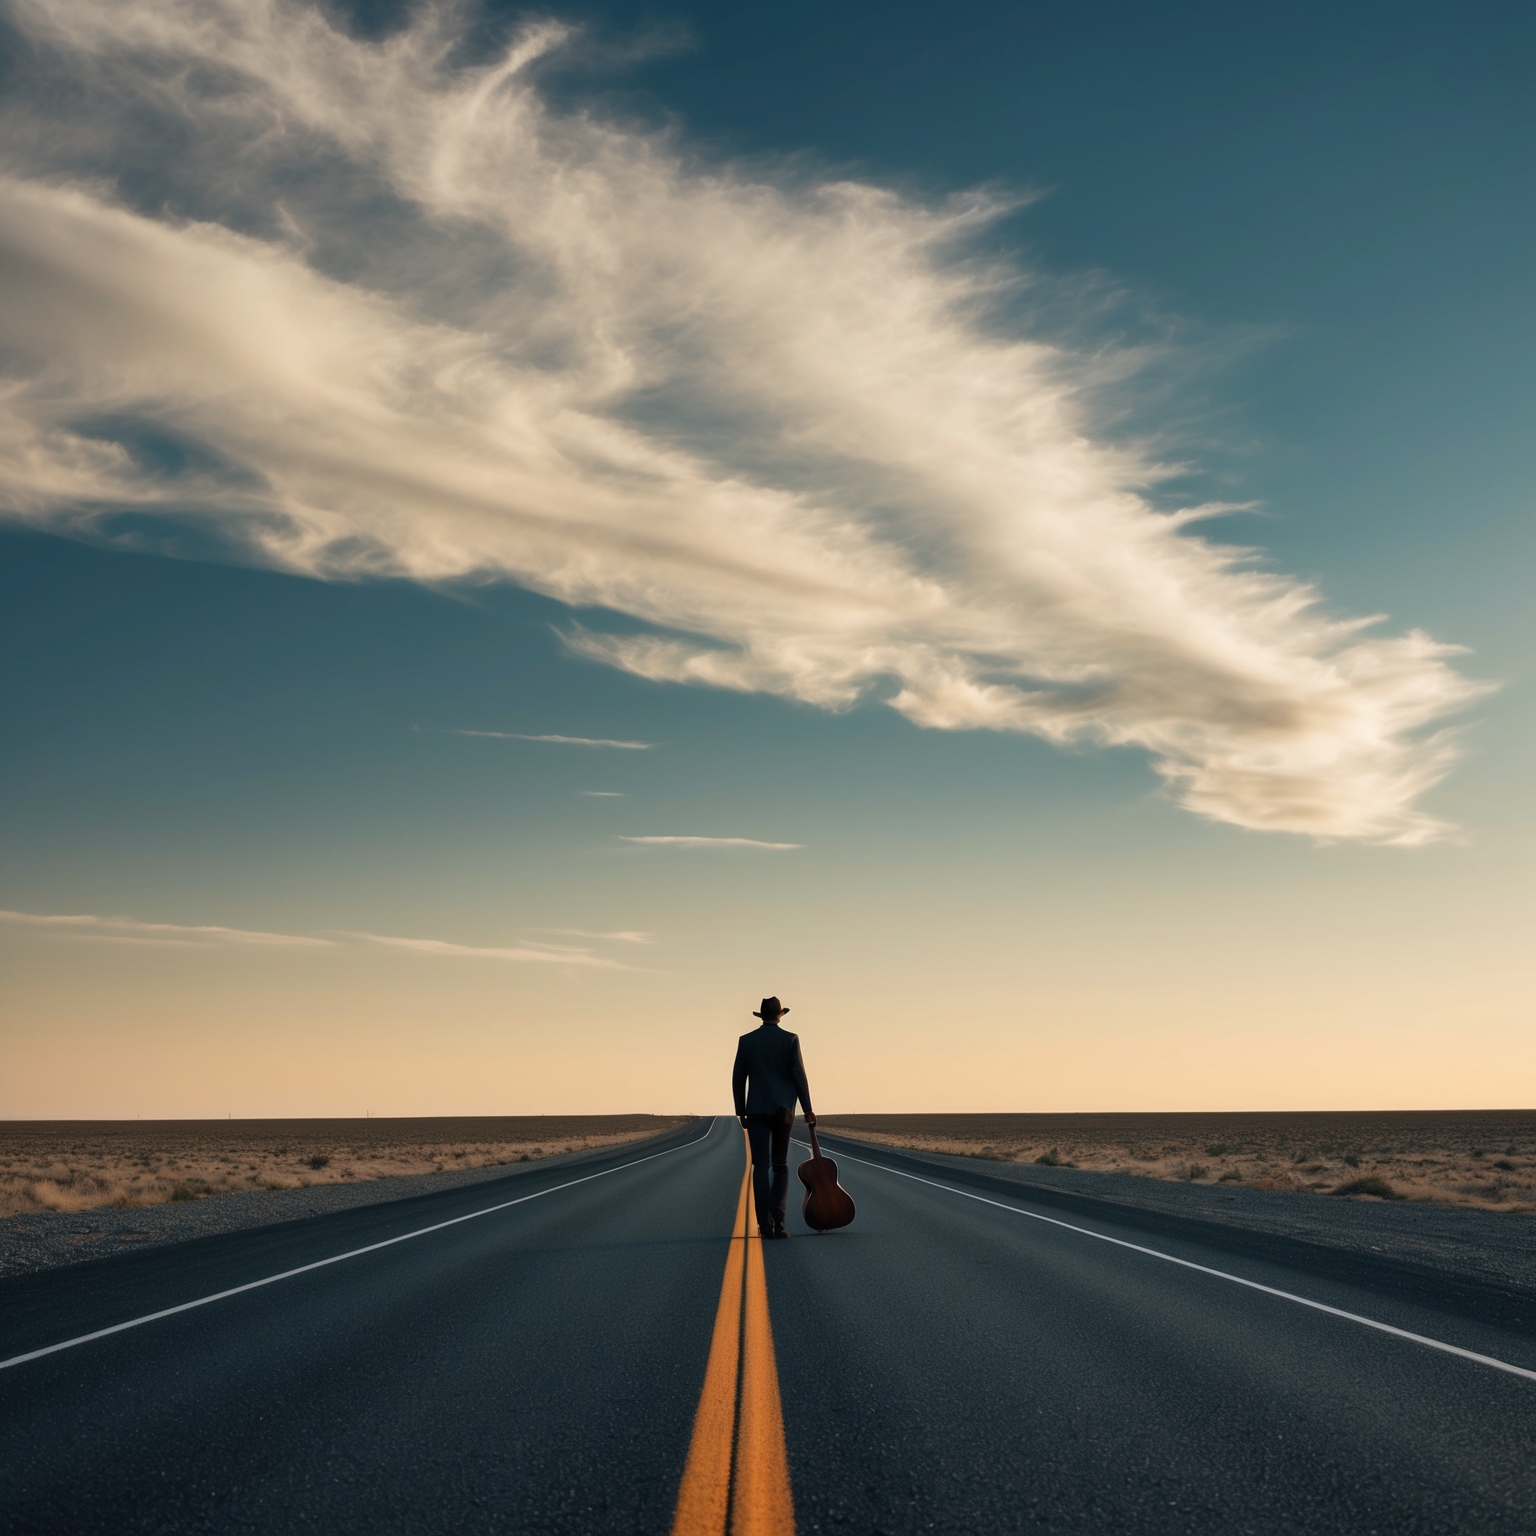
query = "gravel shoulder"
{"x": 1485, "y": 1247}
{"x": 50, "y": 1239}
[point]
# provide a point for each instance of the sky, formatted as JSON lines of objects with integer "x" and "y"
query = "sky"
{"x": 1007, "y": 526}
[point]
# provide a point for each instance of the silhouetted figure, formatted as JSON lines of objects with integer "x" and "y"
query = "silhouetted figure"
{"x": 767, "y": 1079}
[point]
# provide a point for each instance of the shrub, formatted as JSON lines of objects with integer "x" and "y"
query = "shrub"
{"x": 1505, "y": 1164}
{"x": 1232, "y": 1176}
{"x": 1372, "y": 1186}
{"x": 1051, "y": 1159}
{"x": 319, "y": 1161}
{"x": 1351, "y": 1160}
{"x": 183, "y": 1192}
{"x": 1196, "y": 1171}
{"x": 1219, "y": 1149}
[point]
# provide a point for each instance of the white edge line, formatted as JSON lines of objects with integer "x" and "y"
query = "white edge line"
{"x": 389, "y": 1242}
{"x": 1220, "y": 1274}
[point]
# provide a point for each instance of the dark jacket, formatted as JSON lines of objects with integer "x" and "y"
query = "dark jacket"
{"x": 769, "y": 1061}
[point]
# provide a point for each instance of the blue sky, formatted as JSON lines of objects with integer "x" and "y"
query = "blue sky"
{"x": 839, "y": 380}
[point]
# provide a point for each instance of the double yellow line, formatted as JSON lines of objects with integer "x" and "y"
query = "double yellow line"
{"x": 737, "y": 1475}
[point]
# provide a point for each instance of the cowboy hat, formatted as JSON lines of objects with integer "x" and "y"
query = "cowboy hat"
{"x": 771, "y": 1008}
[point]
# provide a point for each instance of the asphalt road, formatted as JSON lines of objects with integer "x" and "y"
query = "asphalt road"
{"x": 944, "y": 1365}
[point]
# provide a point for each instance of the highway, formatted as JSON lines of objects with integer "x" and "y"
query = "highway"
{"x": 588, "y": 1348}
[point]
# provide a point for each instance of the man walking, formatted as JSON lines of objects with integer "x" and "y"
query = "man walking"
{"x": 767, "y": 1079}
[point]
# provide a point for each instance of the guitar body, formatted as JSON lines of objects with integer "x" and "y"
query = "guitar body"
{"x": 827, "y": 1204}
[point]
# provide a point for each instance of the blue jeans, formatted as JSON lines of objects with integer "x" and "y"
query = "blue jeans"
{"x": 768, "y": 1137}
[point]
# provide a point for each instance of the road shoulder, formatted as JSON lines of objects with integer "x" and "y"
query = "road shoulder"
{"x": 1477, "y": 1263}
{"x": 33, "y": 1242}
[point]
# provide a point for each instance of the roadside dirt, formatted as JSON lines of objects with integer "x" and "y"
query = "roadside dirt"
{"x": 1482, "y": 1158}
{"x": 83, "y": 1165}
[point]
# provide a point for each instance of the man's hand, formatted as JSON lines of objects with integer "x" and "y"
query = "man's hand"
{"x": 743, "y": 1120}
{"x": 810, "y": 1119}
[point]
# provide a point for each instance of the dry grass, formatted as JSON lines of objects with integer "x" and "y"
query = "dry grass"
{"x": 1484, "y": 1158}
{"x": 75, "y": 1165}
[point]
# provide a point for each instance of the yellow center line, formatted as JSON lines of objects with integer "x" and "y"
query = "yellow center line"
{"x": 737, "y": 1469}
{"x": 760, "y": 1500}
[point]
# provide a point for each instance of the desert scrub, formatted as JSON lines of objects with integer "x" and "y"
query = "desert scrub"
{"x": 1372, "y": 1186}
{"x": 1421, "y": 1154}
{"x": 76, "y": 1166}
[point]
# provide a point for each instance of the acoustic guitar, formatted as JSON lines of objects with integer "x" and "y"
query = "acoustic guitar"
{"x": 827, "y": 1204}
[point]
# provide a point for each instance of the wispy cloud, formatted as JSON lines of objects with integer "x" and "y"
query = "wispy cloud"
{"x": 437, "y": 329}
{"x": 563, "y": 741}
{"x": 623, "y": 936}
{"x": 602, "y": 794}
{"x": 547, "y": 954}
{"x": 127, "y": 928}
{"x": 709, "y": 842}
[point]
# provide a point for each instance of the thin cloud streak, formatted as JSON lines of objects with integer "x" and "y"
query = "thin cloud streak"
{"x": 785, "y": 425}
{"x": 127, "y": 930}
{"x": 709, "y": 842}
{"x": 624, "y": 936}
{"x": 563, "y": 741}
{"x": 130, "y": 930}
{"x": 555, "y": 954}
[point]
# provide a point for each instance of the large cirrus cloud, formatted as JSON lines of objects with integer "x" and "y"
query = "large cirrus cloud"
{"x": 365, "y": 307}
